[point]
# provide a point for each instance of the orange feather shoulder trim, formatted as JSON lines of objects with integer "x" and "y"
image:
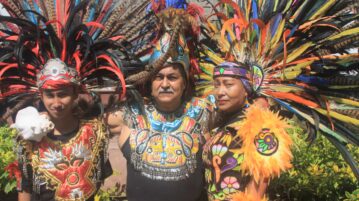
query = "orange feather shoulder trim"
{"x": 244, "y": 196}
{"x": 266, "y": 144}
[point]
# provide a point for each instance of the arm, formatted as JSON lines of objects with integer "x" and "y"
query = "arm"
{"x": 117, "y": 125}
{"x": 114, "y": 120}
{"x": 24, "y": 196}
{"x": 24, "y": 182}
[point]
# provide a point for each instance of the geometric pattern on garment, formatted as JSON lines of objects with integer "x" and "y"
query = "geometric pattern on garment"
{"x": 68, "y": 168}
{"x": 166, "y": 147}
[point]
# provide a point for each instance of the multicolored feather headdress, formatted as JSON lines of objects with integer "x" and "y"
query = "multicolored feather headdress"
{"x": 176, "y": 33}
{"x": 49, "y": 42}
{"x": 299, "y": 50}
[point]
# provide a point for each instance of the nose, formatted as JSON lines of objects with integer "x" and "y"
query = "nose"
{"x": 57, "y": 104}
{"x": 165, "y": 83}
{"x": 220, "y": 91}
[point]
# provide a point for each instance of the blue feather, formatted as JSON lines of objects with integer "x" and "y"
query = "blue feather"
{"x": 37, "y": 8}
{"x": 313, "y": 80}
{"x": 29, "y": 15}
{"x": 275, "y": 25}
{"x": 280, "y": 48}
{"x": 181, "y": 4}
{"x": 92, "y": 11}
{"x": 255, "y": 15}
{"x": 176, "y": 4}
{"x": 286, "y": 106}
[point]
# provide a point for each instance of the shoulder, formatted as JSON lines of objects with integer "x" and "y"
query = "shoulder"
{"x": 266, "y": 142}
{"x": 115, "y": 117}
{"x": 93, "y": 123}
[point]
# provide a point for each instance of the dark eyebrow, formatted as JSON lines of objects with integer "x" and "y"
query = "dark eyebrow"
{"x": 226, "y": 81}
{"x": 59, "y": 91}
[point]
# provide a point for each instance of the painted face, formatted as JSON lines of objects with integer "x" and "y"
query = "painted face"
{"x": 167, "y": 88}
{"x": 59, "y": 102}
{"x": 230, "y": 94}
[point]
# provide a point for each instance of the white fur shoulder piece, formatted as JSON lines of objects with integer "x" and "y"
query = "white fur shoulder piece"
{"x": 32, "y": 125}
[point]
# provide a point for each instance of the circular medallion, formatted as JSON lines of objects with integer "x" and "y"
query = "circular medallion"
{"x": 73, "y": 178}
{"x": 266, "y": 142}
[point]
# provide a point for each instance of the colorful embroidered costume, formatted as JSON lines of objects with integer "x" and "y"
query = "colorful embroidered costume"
{"x": 164, "y": 153}
{"x": 65, "y": 168}
{"x": 164, "y": 150}
{"x": 253, "y": 145}
{"x": 64, "y": 48}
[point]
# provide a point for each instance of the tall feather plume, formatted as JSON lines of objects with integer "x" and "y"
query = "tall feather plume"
{"x": 37, "y": 31}
{"x": 302, "y": 48}
{"x": 180, "y": 21}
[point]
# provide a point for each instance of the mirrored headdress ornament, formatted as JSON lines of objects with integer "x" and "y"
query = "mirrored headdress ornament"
{"x": 56, "y": 74}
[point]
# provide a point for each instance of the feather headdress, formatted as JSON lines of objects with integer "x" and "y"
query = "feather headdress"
{"x": 170, "y": 38}
{"x": 80, "y": 38}
{"x": 298, "y": 54}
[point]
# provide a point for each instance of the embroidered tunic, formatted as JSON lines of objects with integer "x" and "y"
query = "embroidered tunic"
{"x": 222, "y": 164}
{"x": 164, "y": 153}
{"x": 65, "y": 168}
{"x": 255, "y": 146}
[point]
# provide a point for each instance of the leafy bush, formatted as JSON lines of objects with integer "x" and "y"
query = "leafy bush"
{"x": 7, "y": 158}
{"x": 116, "y": 193}
{"x": 319, "y": 173}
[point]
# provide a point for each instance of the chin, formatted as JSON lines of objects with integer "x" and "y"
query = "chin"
{"x": 165, "y": 101}
{"x": 58, "y": 116}
{"x": 225, "y": 108}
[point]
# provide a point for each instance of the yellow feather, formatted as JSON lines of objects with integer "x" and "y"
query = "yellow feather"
{"x": 296, "y": 53}
{"x": 215, "y": 58}
{"x": 278, "y": 33}
{"x": 348, "y": 32}
{"x": 339, "y": 116}
{"x": 289, "y": 3}
{"x": 323, "y": 9}
{"x": 343, "y": 87}
{"x": 292, "y": 72}
{"x": 300, "y": 10}
{"x": 344, "y": 101}
{"x": 213, "y": 27}
{"x": 286, "y": 88}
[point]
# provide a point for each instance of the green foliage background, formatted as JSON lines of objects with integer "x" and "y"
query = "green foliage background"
{"x": 319, "y": 173}
{"x": 7, "y": 156}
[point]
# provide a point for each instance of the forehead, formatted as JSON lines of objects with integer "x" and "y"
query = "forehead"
{"x": 169, "y": 70}
{"x": 226, "y": 79}
{"x": 68, "y": 89}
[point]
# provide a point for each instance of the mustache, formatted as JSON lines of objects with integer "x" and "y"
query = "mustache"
{"x": 166, "y": 90}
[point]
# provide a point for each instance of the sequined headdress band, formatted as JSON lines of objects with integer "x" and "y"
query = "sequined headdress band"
{"x": 56, "y": 74}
